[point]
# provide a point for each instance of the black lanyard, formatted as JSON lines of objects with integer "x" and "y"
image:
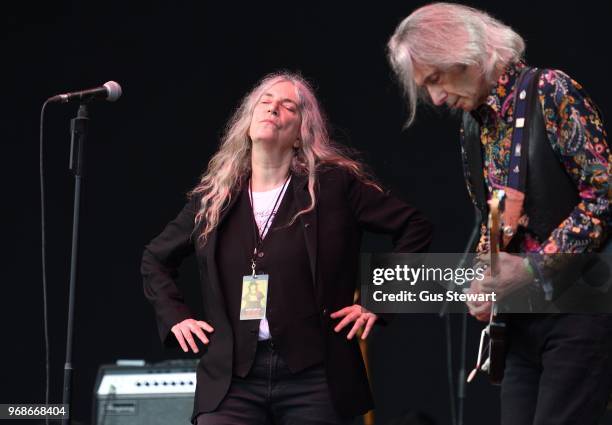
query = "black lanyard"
{"x": 259, "y": 234}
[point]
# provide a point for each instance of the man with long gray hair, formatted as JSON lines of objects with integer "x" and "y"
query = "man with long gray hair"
{"x": 517, "y": 118}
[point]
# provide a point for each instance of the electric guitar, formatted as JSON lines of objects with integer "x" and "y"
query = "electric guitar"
{"x": 492, "y": 347}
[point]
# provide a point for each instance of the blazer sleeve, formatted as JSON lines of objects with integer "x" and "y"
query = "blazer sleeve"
{"x": 160, "y": 263}
{"x": 378, "y": 211}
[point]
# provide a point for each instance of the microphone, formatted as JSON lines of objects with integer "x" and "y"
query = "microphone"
{"x": 110, "y": 91}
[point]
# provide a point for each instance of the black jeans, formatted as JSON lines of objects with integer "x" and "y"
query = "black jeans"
{"x": 558, "y": 369}
{"x": 271, "y": 394}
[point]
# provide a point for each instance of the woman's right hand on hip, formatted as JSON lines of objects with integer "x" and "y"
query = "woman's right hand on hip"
{"x": 185, "y": 330}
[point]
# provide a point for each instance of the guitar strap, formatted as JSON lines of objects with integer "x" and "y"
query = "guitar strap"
{"x": 514, "y": 199}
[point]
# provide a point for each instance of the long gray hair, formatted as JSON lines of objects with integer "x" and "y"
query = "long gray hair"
{"x": 233, "y": 159}
{"x": 443, "y": 35}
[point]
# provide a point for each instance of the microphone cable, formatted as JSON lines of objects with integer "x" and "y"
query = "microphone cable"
{"x": 44, "y": 259}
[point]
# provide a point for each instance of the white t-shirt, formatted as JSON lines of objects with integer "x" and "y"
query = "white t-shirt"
{"x": 263, "y": 202}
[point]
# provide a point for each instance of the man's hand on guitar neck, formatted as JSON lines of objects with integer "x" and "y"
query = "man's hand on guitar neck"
{"x": 512, "y": 274}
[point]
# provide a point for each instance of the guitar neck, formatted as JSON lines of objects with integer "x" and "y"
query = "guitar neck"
{"x": 494, "y": 227}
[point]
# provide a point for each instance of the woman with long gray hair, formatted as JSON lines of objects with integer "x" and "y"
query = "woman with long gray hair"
{"x": 276, "y": 223}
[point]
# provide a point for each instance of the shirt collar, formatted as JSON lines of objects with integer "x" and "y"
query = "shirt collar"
{"x": 499, "y": 100}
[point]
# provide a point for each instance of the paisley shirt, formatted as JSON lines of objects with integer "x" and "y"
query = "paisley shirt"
{"x": 576, "y": 134}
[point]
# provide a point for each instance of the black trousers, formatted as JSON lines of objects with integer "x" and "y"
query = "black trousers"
{"x": 271, "y": 394}
{"x": 558, "y": 369}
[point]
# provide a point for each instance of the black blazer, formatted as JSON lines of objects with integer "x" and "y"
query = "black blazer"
{"x": 345, "y": 207}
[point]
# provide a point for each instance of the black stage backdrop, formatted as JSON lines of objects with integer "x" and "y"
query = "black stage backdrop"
{"x": 184, "y": 67}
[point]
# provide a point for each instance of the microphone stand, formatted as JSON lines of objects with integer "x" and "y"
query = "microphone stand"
{"x": 472, "y": 241}
{"x": 78, "y": 130}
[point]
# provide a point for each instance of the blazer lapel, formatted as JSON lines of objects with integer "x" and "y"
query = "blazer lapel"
{"x": 308, "y": 221}
{"x": 211, "y": 263}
